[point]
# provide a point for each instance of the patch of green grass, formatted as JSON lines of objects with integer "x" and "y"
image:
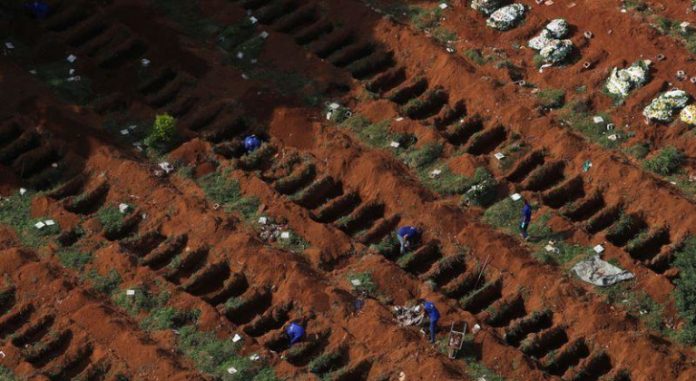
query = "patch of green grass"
{"x": 215, "y": 355}
{"x": 372, "y": 134}
{"x": 418, "y": 158}
{"x": 15, "y": 212}
{"x": 577, "y": 115}
{"x": 188, "y": 14}
{"x": 665, "y": 162}
{"x": 226, "y": 191}
{"x": 110, "y": 218}
{"x": 636, "y": 303}
{"x": 143, "y": 301}
{"x": 367, "y": 285}
{"x": 57, "y": 76}
{"x": 295, "y": 243}
{"x": 551, "y": 98}
{"x": 161, "y": 318}
{"x": 7, "y": 375}
{"x": 685, "y": 290}
{"x": 446, "y": 183}
{"x": 506, "y": 215}
{"x": 481, "y": 189}
{"x": 325, "y": 363}
{"x": 639, "y": 150}
{"x": 475, "y": 56}
{"x": 476, "y": 370}
{"x": 387, "y": 245}
{"x": 74, "y": 259}
{"x": 105, "y": 284}
{"x": 568, "y": 253}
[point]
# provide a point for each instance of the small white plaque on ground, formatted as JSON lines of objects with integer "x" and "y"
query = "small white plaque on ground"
{"x": 334, "y": 106}
{"x": 240, "y": 55}
{"x": 285, "y": 235}
{"x": 598, "y": 119}
{"x": 263, "y": 220}
{"x": 253, "y": 19}
{"x": 54, "y": 165}
{"x": 499, "y": 155}
{"x": 236, "y": 338}
{"x": 145, "y": 62}
{"x": 356, "y": 282}
{"x": 39, "y": 225}
{"x": 549, "y": 248}
{"x": 130, "y": 292}
{"x": 231, "y": 370}
{"x": 399, "y": 119}
{"x": 516, "y": 196}
{"x": 599, "y": 249}
{"x": 71, "y": 71}
{"x": 9, "y": 45}
{"x": 125, "y": 132}
{"x": 254, "y": 357}
{"x": 613, "y": 137}
{"x": 22, "y": 191}
{"x": 49, "y": 222}
{"x": 264, "y": 34}
{"x": 394, "y": 144}
{"x": 71, "y": 58}
{"x": 435, "y": 172}
{"x": 443, "y": 5}
{"x": 123, "y": 208}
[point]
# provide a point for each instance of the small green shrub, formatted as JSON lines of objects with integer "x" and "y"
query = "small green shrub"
{"x": 685, "y": 290}
{"x": 163, "y": 131}
{"x": 325, "y": 363}
{"x": 168, "y": 318}
{"x": 367, "y": 285}
{"x": 420, "y": 157}
{"x": 639, "y": 150}
{"x": 475, "y": 56}
{"x": 551, "y": 98}
{"x": 74, "y": 259}
{"x": 105, "y": 284}
{"x": 143, "y": 300}
{"x": 15, "y": 211}
{"x": 665, "y": 162}
{"x": 227, "y": 192}
{"x": 566, "y": 253}
{"x": 110, "y": 218}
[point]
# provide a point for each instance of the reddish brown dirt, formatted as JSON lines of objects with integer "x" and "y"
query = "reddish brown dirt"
{"x": 315, "y": 282}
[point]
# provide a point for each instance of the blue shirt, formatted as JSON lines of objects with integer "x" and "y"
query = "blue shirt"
{"x": 296, "y": 332}
{"x": 526, "y": 213}
{"x": 39, "y": 9}
{"x": 251, "y": 143}
{"x": 432, "y": 311}
{"x": 411, "y": 231}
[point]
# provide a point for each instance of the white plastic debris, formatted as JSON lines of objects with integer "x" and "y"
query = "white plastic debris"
{"x": 236, "y": 338}
{"x": 166, "y": 167}
{"x": 475, "y": 329}
{"x": 263, "y": 220}
{"x": 145, "y": 62}
{"x": 664, "y": 106}
{"x": 232, "y": 370}
{"x": 244, "y": 76}
{"x": 9, "y": 45}
{"x": 125, "y": 131}
{"x": 499, "y": 155}
{"x": 264, "y": 34}
{"x": 516, "y": 196}
{"x": 402, "y": 376}
{"x": 613, "y": 137}
{"x": 443, "y": 5}
{"x": 253, "y": 20}
{"x": 254, "y": 357}
{"x": 598, "y": 119}
{"x": 71, "y": 58}
{"x": 130, "y": 292}
{"x": 355, "y": 282}
{"x": 394, "y": 144}
{"x": 71, "y": 71}
{"x": 22, "y": 191}
{"x": 285, "y": 235}
{"x": 32, "y": 72}
{"x": 49, "y": 222}
{"x": 39, "y": 225}
{"x": 684, "y": 26}
{"x": 74, "y": 78}
{"x": 599, "y": 249}
{"x": 450, "y": 49}
{"x": 506, "y": 17}
{"x": 486, "y": 6}
{"x": 399, "y": 119}
{"x": 123, "y": 208}
{"x": 334, "y": 106}
{"x": 240, "y": 55}
{"x": 435, "y": 173}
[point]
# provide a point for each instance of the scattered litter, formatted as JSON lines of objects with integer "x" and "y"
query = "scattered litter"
{"x": 166, "y": 167}
{"x": 486, "y": 6}
{"x": 71, "y": 58}
{"x": 586, "y": 165}
{"x": 599, "y": 249}
{"x": 622, "y": 81}
{"x": 598, "y": 119}
{"x": 355, "y": 282}
{"x": 475, "y": 329}
{"x": 688, "y": 115}
{"x": 39, "y": 225}
{"x": 232, "y": 370}
{"x": 125, "y": 132}
{"x": 263, "y": 220}
{"x": 450, "y": 49}
{"x": 407, "y": 316}
{"x": 516, "y": 196}
{"x": 394, "y": 144}
{"x": 443, "y": 5}
{"x": 285, "y": 235}
{"x": 271, "y": 232}
{"x": 599, "y": 272}
{"x": 123, "y": 208}
{"x": 22, "y": 191}
{"x": 264, "y": 34}
{"x": 130, "y": 292}
{"x": 253, "y": 20}
{"x": 399, "y": 119}
{"x": 550, "y": 248}
{"x": 145, "y": 62}
{"x": 499, "y": 155}
{"x": 663, "y": 107}
{"x": 507, "y": 17}
{"x": 544, "y": 66}
{"x": 9, "y": 45}
{"x": 236, "y": 338}
{"x": 254, "y": 357}
{"x": 681, "y": 75}
{"x": 435, "y": 173}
